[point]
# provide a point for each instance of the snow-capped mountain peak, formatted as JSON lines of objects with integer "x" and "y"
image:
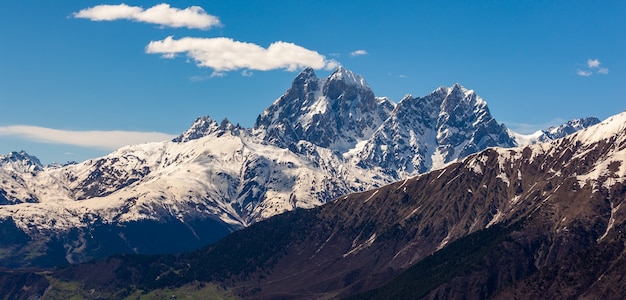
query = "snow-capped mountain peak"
{"x": 428, "y": 132}
{"x": 202, "y": 126}
{"x": 457, "y": 95}
{"x": 20, "y": 162}
{"x": 205, "y": 126}
{"x": 348, "y": 77}
{"x": 305, "y": 74}
{"x": 336, "y": 112}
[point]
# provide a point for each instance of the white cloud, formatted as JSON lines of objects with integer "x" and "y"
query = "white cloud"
{"x": 225, "y": 54}
{"x": 161, "y": 14}
{"x": 593, "y": 63}
{"x": 108, "y": 140}
{"x": 358, "y": 53}
{"x": 247, "y": 73}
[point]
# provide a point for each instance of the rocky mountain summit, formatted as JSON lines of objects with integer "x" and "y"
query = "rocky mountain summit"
{"x": 324, "y": 138}
{"x": 334, "y": 113}
{"x": 428, "y": 132}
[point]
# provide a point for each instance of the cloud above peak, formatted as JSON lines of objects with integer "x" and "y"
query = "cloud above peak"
{"x": 222, "y": 54}
{"x": 225, "y": 54}
{"x": 163, "y": 14}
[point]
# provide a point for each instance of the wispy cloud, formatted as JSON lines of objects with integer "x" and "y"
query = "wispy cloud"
{"x": 225, "y": 54}
{"x": 358, "y": 53}
{"x": 162, "y": 14}
{"x": 247, "y": 73}
{"x": 593, "y": 65}
{"x": 107, "y": 140}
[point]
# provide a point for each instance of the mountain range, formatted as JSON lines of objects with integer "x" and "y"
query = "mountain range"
{"x": 538, "y": 221}
{"x": 323, "y": 139}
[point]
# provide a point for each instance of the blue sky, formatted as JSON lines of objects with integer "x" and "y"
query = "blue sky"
{"x": 80, "y": 78}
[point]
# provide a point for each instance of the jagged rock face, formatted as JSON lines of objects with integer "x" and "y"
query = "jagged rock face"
{"x": 333, "y": 113}
{"x": 276, "y": 121}
{"x": 406, "y": 141}
{"x": 205, "y": 126}
{"x": 465, "y": 125}
{"x": 426, "y": 133}
{"x": 201, "y": 127}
